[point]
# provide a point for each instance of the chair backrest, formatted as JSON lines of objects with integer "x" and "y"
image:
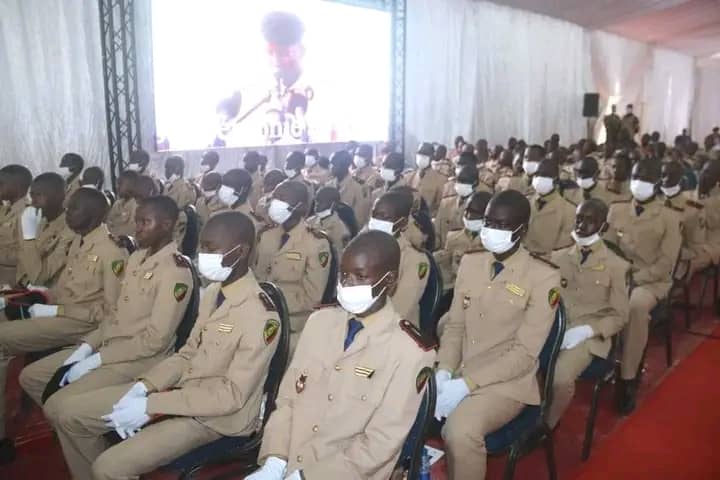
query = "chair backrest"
{"x": 329, "y": 295}
{"x": 431, "y": 299}
{"x": 110, "y": 196}
{"x": 548, "y": 357}
{"x": 347, "y": 215}
{"x": 424, "y": 222}
{"x": 411, "y": 456}
{"x": 128, "y": 242}
{"x": 281, "y": 357}
{"x": 191, "y": 311}
{"x": 192, "y": 232}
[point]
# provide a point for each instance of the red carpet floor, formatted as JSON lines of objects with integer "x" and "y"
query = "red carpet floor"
{"x": 671, "y": 435}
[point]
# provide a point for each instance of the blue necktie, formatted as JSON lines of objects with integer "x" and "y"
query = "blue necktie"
{"x": 584, "y": 253}
{"x": 639, "y": 209}
{"x": 353, "y": 328}
{"x": 497, "y": 268}
{"x": 220, "y": 299}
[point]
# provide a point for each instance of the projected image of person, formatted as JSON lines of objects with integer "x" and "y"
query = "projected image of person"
{"x": 279, "y": 116}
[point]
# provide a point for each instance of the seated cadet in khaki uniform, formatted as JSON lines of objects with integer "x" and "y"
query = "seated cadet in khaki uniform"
{"x": 326, "y": 219}
{"x": 441, "y": 163}
{"x": 391, "y": 172}
{"x": 365, "y": 172}
{"x": 693, "y": 219}
{"x": 140, "y": 329}
{"x": 352, "y": 193}
{"x": 293, "y": 256}
{"x": 83, "y": 295}
{"x": 272, "y": 179}
{"x": 15, "y": 181}
{"x": 313, "y": 172}
{"x": 212, "y": 387}
{"x": 617, "y": 188}
{"x": 208, "y": 164}
{"x": 74, "y": 164}
{"x": 251, "y": 163}
{"x": 352, "y": 391}
{"x": 595, "y": 294}
{"x": 46, "y": 238}
{"x": 587, "y": 173}
{"x": 425, "y": 180}
{"x": 486, "y": 179}
{"x": 210, "y": 201}
{"x": 235, "y": 194}
{"x": 462, "y": 240}
{"x": 121, "y": 218}
{"x": 531, "y": 159}
{"x": 510, "y": 176}
{"x": 180, "y": 190}
{"x": 139, "y": 162}
{"x": 649, "y": 235}
{"x": 488, "y": 357}
{"x": 294, "y": 163}
{"x": 551, "y": 217}
{"x": 450, "y": 214}
{"x": 391, "y": 214}
{"x": 707, "y": 196}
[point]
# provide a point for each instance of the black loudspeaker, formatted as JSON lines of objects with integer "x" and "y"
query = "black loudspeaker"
{"x": 591, "y": 105}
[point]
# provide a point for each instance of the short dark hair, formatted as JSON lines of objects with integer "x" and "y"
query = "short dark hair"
{"x": 162, "y": 205}
{"x": 380, "y": 246}
{"x": 51, "y": 180}
{"x": 20, "y": 174}
{"x": 515, "y": 199}
{"x": 236, "y": 224}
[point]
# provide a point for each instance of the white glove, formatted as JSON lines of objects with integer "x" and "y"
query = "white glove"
{"x": 40, "y": 310}
{"x": 450, "y": 397}
{"x": 130, "y": 417}
{"x": 294, "y": 476}
{"x": 441, "y": 377}
{"x": 39, "y": 288}
{"x": 81, "y": 368}
{"x": 575, "y": 336}
{"x": 2, "y": 303}
{"x": 80, "y": 353}
{"x": 274, "y": 469}
{"x": 30, "y": 222}
{"x": 138, "y": 390}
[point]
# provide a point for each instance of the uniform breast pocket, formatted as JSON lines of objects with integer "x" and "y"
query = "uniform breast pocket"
{"x": 365, "y": 390}
{"x": 218, "y": 344}
{"x": 647, "y": 241}
{"x": 290, "y": 267}
{"x": 599, "y": 287}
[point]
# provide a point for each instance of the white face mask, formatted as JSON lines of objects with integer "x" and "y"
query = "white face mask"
{"x": 543, "y": 185}
{"x": 530, "y": 167}
{"x": 173, "y": 178}
{"x": 205, "y": 168}
{"x": 211, "y": 267}
{"x": 279, "y": 211}
{"x": 227, "y": 196}
{"x": 670, "y": 191}
{"x": 359, "y": 298}
{"x": 642, "y": 190}
{"x": 422, "y": 161}
{"x": 135, "y": 167}
{"x": 585, "y": 183}
{"x": 310, "y": 161}
{"x": 585, "y": 241}
{"x": 323, "y": 214}
{"x": 464, "y": 189}
{"x": 473, "y": 225}
{"x": 387, "y": 174}
{"x": 382, "y": 226}
{"x": 209, "y": 193}
{"x": 497, "y": 241}
{"x": 290, "y": 173}
{"x": 359, "y": 161}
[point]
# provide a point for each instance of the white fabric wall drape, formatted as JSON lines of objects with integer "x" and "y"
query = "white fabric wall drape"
{"x": 51, "y": 86}
{"x": 706, "y": 114}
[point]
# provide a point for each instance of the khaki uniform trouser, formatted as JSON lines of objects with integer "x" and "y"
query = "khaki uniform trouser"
{"x": 464, "y": 433}
{"x": 635, "y": 333}
{"x": 80, "y": 429}
{"x": 35, "y": 335}
{"x": 570, "y": 364}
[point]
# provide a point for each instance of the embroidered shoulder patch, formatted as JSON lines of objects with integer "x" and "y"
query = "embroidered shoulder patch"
{"x": 553, "y": 297}
{"x": 179, "y": 291}
{"x": 323, "y": 258}
{"x": 117, "y": 267}
{"x": 422, "y": 270}
{"x": 270, "y": 331}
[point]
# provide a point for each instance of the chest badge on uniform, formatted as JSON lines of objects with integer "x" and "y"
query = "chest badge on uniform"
{"x": 293, "y": 256}
{"x": 270, "y": 331}
{"x": 148, "y": 275}
{"x": 323, "y": 258}
{"x": 117, "y": 267}
{"x": 515, "y": 289}
{"x": 364, "y": 372}
{"x": 422, "y": 270}
{"x": 179, "y": 291}
{"x": 93, "y": 258}
{"x": 553, "y": 297}
{"x": 563, "y": 282}
{"x": 466, "y": 302}
{"x": 300, "y": 383}
{"x": 598, "y": 268}
{"x": 225, "y": 328}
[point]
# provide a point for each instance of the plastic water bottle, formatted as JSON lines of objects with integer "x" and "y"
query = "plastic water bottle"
{"x": 425, "y": 465}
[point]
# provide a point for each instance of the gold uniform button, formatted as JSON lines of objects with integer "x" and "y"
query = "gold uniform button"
{"x": 363, "y": 398}
{"x": 338, "y": 368}
{"x": 473, "y": 342}
{"x": 330, "y": 398}
{"x": 126, "y": 298}
{"x": 315, "y": 428}
{"x": 205, "y": 329}
{"x": 189, "y": 370}
{"x": 299, "y": 458}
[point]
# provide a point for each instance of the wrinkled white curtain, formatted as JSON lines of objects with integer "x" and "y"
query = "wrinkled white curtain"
{"x": 483, "y": 70}
{"x": 51, "y": 87}
{"x": 706, "y": 114}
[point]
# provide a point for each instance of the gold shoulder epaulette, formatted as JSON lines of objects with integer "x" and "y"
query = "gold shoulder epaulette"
{"x": 181, "y": 260}
{"x": 694, "y": 204}
{"x": 316, "y": 233}
{"x": 426, "y": 344}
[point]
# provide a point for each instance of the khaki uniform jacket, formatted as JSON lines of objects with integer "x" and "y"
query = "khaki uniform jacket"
{"x": 121, "y": 217}
{"x": 615, "y": 192}
{"x": 72, "y": 187}
{"x": 651, "y": 241}
{"x": 219, "y": 375}
{"x": 335, "y": 229}
{"x": 317, "y": 175}
{"x": 497, "y": 327}
{"x": 207, "y": 206}
{"x": 10, "y": 232}
{"x": 369, "y": 177}
{"x": 449, "y": 217}
{"x": 412, "y": 280}
{"x": 482, "y": 186}
{"x": 182, "y": 192}
{"x": 346, "y": 414}
{"x": 448, "y": 259}
{"x": 300, "y": 268}
{"x": 88, "y": 287}
{"x": 153, "y": 298}
{"x": 576, "y": 196}
{"x": 355, "y": 195}
{"x": 712, "y": 218}
{"x": 595, "y": 293}
{"x": 429, "y": 184}
{"x": 515, "y": 182}
{"x": 550, "y": 225}
{"x": 41, "y": 260}
{"x": 443, "y": 167}
{"x": 309, "y": 186}
{"x": 693, "y": 222}
{"x": 257, "y": 188}
{"x": 379, "y": 192}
